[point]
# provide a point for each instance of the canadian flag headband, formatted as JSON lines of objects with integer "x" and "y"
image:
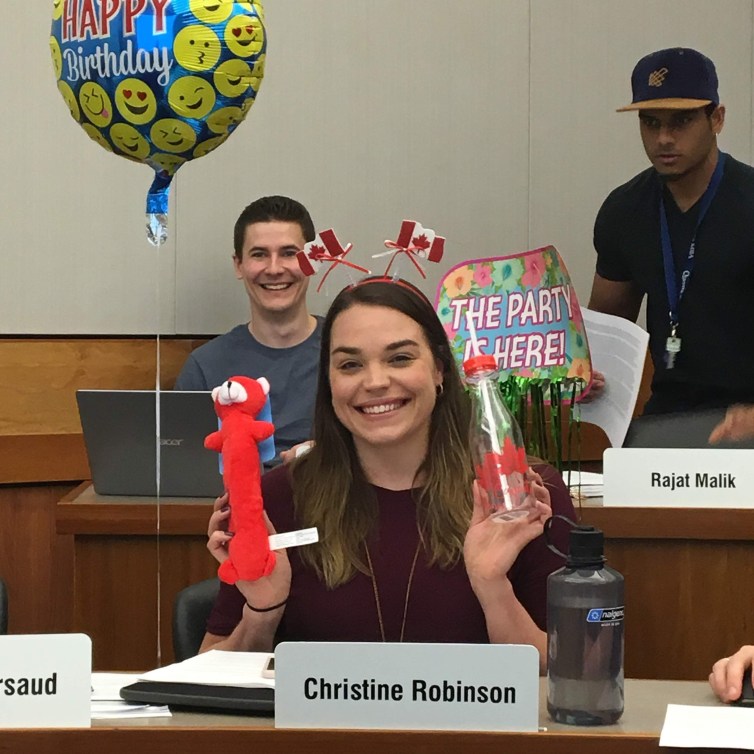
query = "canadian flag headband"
{"x": 415, "y": 241}
{"x": 325, "y": 248}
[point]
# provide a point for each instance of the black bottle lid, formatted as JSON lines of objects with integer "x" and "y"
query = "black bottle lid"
{"x": 586, "y": 547}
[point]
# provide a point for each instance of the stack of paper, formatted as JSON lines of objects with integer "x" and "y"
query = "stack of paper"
{"x": 216, "y": 668}
{"x": 618, "y": 348}
{"x": 107, "y": 703}
{"x": 585, "y": 483}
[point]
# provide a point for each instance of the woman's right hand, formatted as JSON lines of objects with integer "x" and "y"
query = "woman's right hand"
{"x": 272, "y": 589}
{"x": 265, "y": 591}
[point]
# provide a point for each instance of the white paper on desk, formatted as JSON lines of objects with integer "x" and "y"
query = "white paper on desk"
{"x": 107, "y": 703}
{"x": 106, "y": 686}
{"x": 216, "y": 668}
{"x": 618, "y": 349}
{"x": 124, "y": 710}
{"x": 587, "y": 483}
{"x": 719, "y": 727}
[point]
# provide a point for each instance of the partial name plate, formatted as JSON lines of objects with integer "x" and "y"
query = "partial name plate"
{"x": 45, "y": 681}
{"x": 481, "y": 687}
{"x": 678, "y": 478}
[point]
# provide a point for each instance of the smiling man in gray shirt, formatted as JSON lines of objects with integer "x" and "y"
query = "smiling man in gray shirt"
{"x": 282, "y": 339}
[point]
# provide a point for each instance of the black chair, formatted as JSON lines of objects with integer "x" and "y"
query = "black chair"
{"x": 3, "y": 608}
{"x": 191, "y": 609}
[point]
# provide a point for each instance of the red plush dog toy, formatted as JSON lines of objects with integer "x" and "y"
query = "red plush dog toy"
{"x": 237, "y": 403}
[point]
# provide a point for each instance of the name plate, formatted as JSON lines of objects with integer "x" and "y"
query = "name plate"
{"x": 45, "y": 681}
{"x": 484, "y": 687}
{"x": 678, "y": 477}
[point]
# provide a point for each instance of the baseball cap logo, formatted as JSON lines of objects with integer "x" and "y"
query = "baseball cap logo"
{"x": 656, "y": 78}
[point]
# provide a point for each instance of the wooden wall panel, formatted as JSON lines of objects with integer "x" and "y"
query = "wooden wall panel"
{"x": 686, "y": 571}
{"x": 35, "y": 562}
{"x": 40, "y": 433}
{"x": 39, "y": 377}
{"x": 686, "y": 603}
{"x": 42, "y": 458}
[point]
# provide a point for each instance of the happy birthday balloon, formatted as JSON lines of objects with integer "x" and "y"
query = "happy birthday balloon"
{"x": 160, "y": 82}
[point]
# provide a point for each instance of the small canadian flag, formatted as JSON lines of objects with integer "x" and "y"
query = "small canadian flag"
{"x": 423, "y": 241}
{"x": 324, "y": 248}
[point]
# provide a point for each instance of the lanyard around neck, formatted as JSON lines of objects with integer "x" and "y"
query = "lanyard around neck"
{"x": 671, "y": 283}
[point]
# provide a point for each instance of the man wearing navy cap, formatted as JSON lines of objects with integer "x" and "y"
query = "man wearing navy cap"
{"x": 682, "y": 233}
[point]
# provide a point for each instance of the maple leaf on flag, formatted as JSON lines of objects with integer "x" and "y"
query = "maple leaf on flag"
{"x": 315, "y": 252}
{"x": 420, "y": 241}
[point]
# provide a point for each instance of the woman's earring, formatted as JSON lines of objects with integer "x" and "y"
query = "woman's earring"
{"x": 439, "y": 389}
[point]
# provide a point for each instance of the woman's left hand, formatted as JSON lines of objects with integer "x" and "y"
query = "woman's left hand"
{"x": 492, "y": 546}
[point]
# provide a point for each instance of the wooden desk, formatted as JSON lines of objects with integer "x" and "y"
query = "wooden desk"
{"x": 689, "y": 574}
{"x": 689, "y": 579}
{"x": 636, "y": 733}
{"x": 131, "y": 557}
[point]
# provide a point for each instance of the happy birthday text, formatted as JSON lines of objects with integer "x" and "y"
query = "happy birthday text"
{"x": 129, "y": 61}
{"x": 92, "y": 18}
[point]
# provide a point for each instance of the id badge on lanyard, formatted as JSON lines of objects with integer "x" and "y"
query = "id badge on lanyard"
{"x": 673, "y": 342}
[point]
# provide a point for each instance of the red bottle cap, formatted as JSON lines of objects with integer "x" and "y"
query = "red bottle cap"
{"x": 481, "y": 363}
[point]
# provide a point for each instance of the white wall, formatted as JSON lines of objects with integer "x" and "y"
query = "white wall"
{"x": 492, "y": 122}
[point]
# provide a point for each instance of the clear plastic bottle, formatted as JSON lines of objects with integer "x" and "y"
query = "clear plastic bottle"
{"x": 585, "y": 635}
{"x": 496, "y": 446}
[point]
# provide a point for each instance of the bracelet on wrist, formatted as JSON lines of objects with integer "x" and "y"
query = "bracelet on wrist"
{"x": 266, "y": 609}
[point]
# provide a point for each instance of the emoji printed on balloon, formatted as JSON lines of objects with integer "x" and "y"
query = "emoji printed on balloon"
{"x": 197, "y": 48}
{"x": 70, "y": 100}
{"x": 244, "y": 35}
{"x": 211, "y": 11}
{"x": 232, "y": 78}
{"x": 129, "y": 142}
{"x": 135, "y": 101}
{"x": 95, "y": 104}
{"x": 192, "y": 97}
{"x": 57, "y": 57}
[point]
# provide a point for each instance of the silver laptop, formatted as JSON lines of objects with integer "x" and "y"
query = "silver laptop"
{"x": 121, "y": 442}
{"x": 687, "y": 429}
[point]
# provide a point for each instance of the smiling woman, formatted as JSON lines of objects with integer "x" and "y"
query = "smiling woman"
{"x": 384, "y": 381}
{"x": 407, "y": 550}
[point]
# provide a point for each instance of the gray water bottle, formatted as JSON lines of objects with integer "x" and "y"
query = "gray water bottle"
{"x": 585, "y": 635}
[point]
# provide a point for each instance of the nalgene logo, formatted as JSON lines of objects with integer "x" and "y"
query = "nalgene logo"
{"x": 605, "y": 615}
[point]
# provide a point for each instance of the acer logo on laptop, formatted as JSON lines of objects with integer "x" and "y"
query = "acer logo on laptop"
{"x": 170, "y": 442}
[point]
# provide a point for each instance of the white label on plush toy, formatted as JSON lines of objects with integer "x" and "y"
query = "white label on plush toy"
{"x": 294, "y": 538}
